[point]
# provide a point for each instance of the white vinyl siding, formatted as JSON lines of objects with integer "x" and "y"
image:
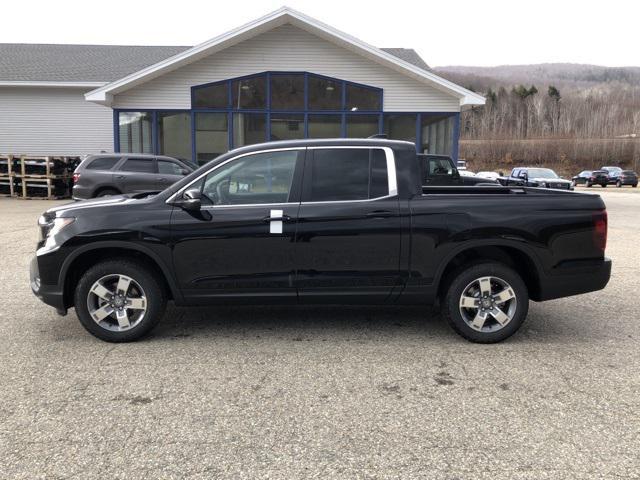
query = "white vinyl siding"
{"x": 287, "y": 48}
{"x": 52, "y": 121}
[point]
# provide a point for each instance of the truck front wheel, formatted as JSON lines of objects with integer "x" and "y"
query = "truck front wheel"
{"x": 119, "y": 300}
{"x": 486, "y": 303}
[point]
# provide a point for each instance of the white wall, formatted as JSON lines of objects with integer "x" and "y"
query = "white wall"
{"x": 287, "y": 48}
{"x": 52, "y": 121}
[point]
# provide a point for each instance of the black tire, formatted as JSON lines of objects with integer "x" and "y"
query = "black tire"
{"x": 604, "y": 185}
{"x": 634, "y": 185}
{"x": 451, "y": 305}
{"x": 618, "y": 184}
{"x": 587, "y": 184}
{"x": 156, "y": 299}
{"x": 107, "y": 192}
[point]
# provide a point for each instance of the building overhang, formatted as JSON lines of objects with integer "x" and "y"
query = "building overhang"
{"x": 285, "y": 15}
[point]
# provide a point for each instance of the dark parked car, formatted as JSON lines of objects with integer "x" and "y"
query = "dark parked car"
{"x": 112, "y": 174}
{"x": 627, "y": 177}
{"x": 591, "y": 177}
{"x": 536, "y": 177}
{"x": 340, "y": 221}
{"x": 613, "y": 172}
{"x": 441, "y": 170}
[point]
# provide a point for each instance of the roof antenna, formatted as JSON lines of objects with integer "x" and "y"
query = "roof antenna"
{"x": 378, "y": 135}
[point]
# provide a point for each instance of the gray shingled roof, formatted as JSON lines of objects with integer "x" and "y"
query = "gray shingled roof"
{"x": 408, "y": 55}
{"x": 76, "y": 63}
{"x": 20, "y": 62}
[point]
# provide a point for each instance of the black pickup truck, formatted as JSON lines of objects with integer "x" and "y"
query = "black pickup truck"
{"x": 320, "y": 221}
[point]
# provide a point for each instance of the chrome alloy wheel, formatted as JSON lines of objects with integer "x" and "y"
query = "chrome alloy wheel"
{"x": 117, "y": 302}
{"x": 488, "y": 304}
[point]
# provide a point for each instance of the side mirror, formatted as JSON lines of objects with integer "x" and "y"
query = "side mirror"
{"x": 191, "y": 200}
{"x": 185, "y": 172}
{"x": 455, "y": 174}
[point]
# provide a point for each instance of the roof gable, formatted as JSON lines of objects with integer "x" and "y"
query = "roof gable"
{"x": 275, "y": 19}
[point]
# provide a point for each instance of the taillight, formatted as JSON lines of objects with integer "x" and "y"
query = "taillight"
{"x": 76, "y": 177}
{"x": 600, "y": 230}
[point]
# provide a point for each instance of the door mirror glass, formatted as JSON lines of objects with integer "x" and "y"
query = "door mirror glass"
{"x": 184, "y": 172}
{"x": 191, "y": 199}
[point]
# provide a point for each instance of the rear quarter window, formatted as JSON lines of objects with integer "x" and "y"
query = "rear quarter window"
{"x": 102, "y": 163}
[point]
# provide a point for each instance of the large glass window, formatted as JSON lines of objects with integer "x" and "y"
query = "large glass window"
{"x": 324, "y": 93}
{"x": 249, "y": 128}
{"x": 287, "y": 92}
{"x": 135, "y": 132}
{"x": 348, "y": 174}
{"x": 324, "y": 126}
{"x": 253, "y": 179}
{"x": 249, "y": 92}
{"x": 437, "y": 134}
{"x": 400, "y": 126}
{"x": 363, "y": 98}
{"x": 212, "y": 135}
{"x": 362, "y": 126}
{"x": 213, "y": 96}
{"x": 287, "y": 126}
{"x": 174, "y": 134}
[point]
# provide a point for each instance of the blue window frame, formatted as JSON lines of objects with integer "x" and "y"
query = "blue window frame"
{"x": 265, "y": 105}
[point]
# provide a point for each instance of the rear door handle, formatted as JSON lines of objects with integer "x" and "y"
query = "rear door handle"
{"x": 380, "y": 214}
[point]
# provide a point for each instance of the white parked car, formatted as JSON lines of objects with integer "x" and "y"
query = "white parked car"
{"x": 491, "y": 175}
{"x": 466, "y": 173}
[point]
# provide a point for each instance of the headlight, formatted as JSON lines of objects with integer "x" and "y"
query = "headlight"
{"x": 48, "y": 231}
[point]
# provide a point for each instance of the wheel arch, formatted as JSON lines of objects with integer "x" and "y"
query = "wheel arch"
{"x": 520, "y": 259}
{"x": 85, "y": 257}
{"x": 102, "y": 188}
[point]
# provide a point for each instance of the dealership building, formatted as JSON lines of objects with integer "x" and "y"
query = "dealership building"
{"x": 282, "y": 76}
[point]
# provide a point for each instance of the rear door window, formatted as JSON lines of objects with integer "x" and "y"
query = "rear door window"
{"x": 140, "y": 165}
{"x": 102, "y": 163}
{"x": 342, "y": 174}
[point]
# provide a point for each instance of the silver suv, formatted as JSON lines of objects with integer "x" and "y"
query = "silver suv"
{"x": 116, "y": 173}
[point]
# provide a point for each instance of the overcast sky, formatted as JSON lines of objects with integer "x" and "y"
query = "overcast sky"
{"x": 444, "y": 32}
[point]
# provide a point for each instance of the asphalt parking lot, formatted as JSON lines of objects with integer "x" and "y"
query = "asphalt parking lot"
{"x": 330, "y": 392}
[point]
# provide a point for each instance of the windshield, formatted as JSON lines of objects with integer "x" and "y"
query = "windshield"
{"x": 541, "y": 173}
{"x": 612, "y": 169}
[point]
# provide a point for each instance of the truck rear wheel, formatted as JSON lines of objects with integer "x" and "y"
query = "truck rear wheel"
{"x": 119, "y": 300}
{"x": 486, "y": 303}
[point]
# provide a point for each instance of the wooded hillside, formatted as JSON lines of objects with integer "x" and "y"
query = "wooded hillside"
{"x": 544, "y": 114}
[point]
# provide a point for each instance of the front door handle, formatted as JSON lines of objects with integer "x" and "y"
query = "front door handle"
{"x": 119, "y": 177}
{"x": 162, "y": 180}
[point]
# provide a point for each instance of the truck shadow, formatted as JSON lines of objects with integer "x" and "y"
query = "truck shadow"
{"x": 335, "y": 322}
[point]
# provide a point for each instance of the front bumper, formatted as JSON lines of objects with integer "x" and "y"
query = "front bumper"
{"x": 575, "y": 278}
{"x": 50, "y": 294}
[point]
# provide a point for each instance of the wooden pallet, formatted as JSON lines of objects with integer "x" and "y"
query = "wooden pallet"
{"x": 47, "y": 186}
{"x": 6, "y": 164}
{"x": 10, "y": 182}
{"x": 25, "y": 165}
